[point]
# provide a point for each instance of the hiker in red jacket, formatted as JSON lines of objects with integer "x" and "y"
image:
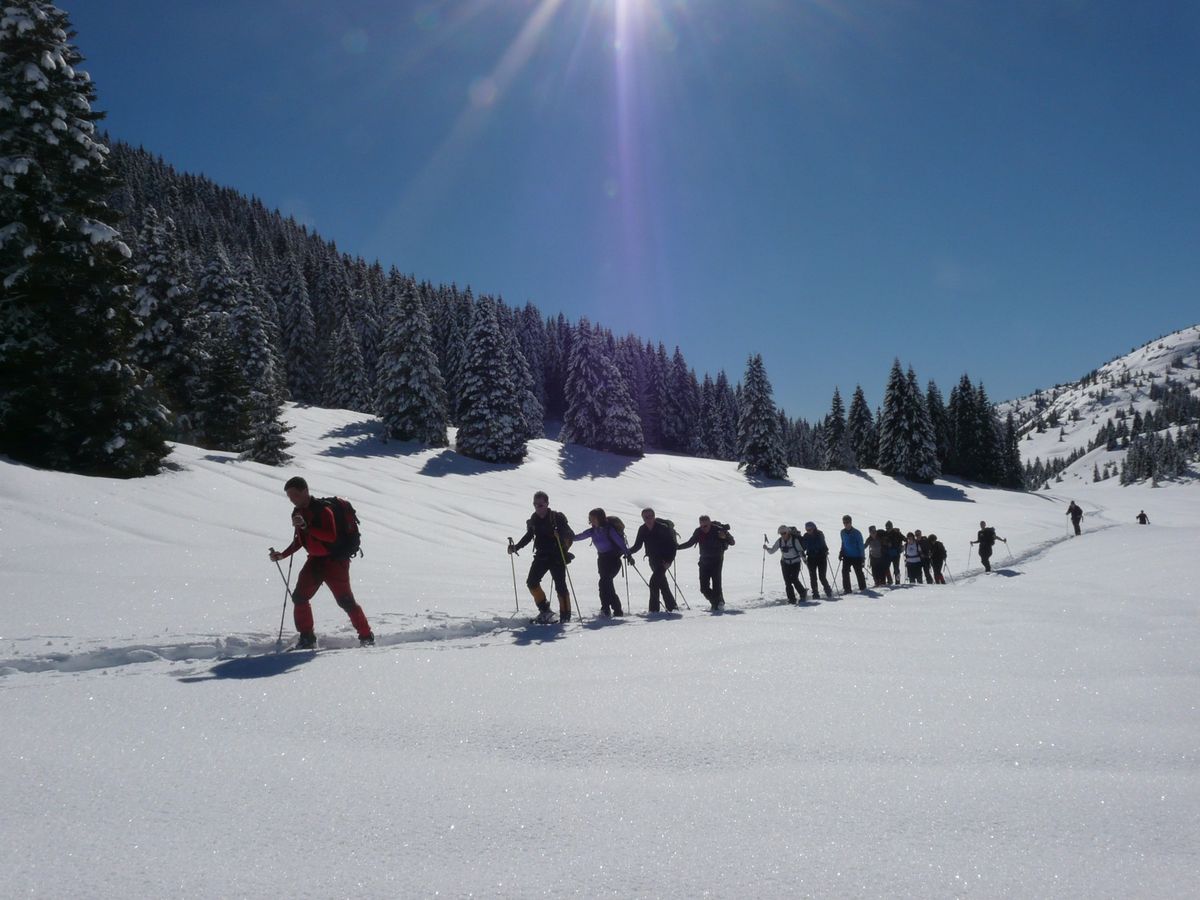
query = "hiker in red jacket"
{"x": 316, "y": 531}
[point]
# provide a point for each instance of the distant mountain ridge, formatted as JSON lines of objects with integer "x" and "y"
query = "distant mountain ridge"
{"x": 1069, "y": 429}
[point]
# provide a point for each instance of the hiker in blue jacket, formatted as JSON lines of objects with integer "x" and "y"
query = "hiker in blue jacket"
{"x": 609, "y": 542}
{"x": 854, "y": 553}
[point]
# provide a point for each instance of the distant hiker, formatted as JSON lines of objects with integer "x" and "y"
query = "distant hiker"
{"x": 551, "y": 536}
{"x": 986, "y": 539}
{"x": 852, "y": 555}
{"x": 926, "y": 563}
{"x": 1076, "y": 514}
{"x": 894, "y": 538}
{"x": 816, "y": 554}
{"x": 912, "y": 559}
{"x": 658, "y": 537}
{"x": 791, "y": 561}
{"x": 1142, "y": 518}
{"x": 316, "y": 531}
{"x": 713, "y": 538}
{"x": 937, "y": 558}
{"x": 877, "y": 553}
{"x": 610, "y": 547}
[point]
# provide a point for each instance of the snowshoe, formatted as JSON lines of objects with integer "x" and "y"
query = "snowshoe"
{"x": 366, "y": 640}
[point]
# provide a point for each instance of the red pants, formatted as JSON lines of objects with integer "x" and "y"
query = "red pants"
{"x": 320, "y": 570}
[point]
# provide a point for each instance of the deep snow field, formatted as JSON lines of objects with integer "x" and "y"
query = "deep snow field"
{"x": 1029, "y": 733}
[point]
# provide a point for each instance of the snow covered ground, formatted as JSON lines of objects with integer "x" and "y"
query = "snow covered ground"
{"x": 1028, "y": 733}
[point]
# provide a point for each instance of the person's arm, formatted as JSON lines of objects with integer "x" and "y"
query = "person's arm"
{"x": 526, "y": 539}
{"x": 638, "y": 541}
{"x": 775, "y": 546}
{"x": 584, "y": 535}
{"x": 690, "y": 542}
{"x": 296, "y": 544}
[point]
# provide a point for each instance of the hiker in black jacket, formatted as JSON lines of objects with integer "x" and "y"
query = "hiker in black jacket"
{"x": 1076, "y": 514}
{"x": 659, "y": 540}
{"x": 816, "y": 554}
{"x": 713, "y": 538}
{"x": 551, "y": 536}
{"x": 986, "y": 539}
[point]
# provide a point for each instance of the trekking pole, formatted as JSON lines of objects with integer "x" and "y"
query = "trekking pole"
{"x": 835, "y": 575}
{"x": 513, "y": 562}
{"x": 762, "y": 578}
{"x": 625, "y": 569}
{"x": 948, "y": 572}
{"x": 567, "y": 569}
{"x": 287, "y": 591}
{"x": 678, "y": 589}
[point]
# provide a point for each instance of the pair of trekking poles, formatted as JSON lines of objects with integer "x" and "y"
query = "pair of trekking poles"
{"x": 566, "y": 568}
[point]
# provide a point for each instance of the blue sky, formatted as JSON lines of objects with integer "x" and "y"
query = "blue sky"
{"x": 1010, "y": 189}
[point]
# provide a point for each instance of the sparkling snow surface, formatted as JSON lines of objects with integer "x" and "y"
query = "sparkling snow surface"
{"x": 1030, "y": 733}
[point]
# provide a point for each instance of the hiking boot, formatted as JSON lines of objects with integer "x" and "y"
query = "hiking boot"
{"x": 564, "y": 617}
{"x": 672, "y": 607}
{"x": 544, "y": 616}
{"x": 366, "y": 640}
{"x": 307, "y": 641}
{"x": 654, "y": 607}
{"x": 606, "y": 612}
{"x": 618, "y": 611}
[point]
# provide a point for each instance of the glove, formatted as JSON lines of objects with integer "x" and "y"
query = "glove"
{"x": 512, "y": 548}
{"x": 570, "y": 558}
{"x": 629, "y": 559}
{"x": 842, "y": 556}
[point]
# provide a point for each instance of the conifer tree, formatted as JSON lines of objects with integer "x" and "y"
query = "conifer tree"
{"x": 760, "y": 440}
{"x": 622, "y": 427}
{"x": 583, "y": 421}
{"x": 906, "y": 441}
{"x": 939, "y": 418}
{"x": 681, "y": 407}
{"x": 1014, "y": 471}
{"x": 532, "y": 412}
{"x": 411, "y": 398}
{"x": 348, "y": 386}
{"x": 299, "y": 345}
{"x": 70, "y": 396}
{"x": 860, "y": 427}
{"x": 492, "y": 423}
{"x": 835, "y": 444}
{"x": 168, "y": 344}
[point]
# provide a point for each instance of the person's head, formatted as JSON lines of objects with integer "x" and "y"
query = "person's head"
{"x": 910, "y": 536}
{"x": 296, "y": 489}
{"x": 810, "y": 526}
{"x": 870, "y": 529}
{"x": 648, "y": 517}
{"x": 917, "y": 532}
{"x": 982, "y": 524}
{"x": 847, "y": 521}
{"x": 541, "y": 503}
{"x": 783, "y": 530}
{"x": 932, "y": 538}
{"x": 888, "y": 524}
{"x": 705, "y": 524}
{"x": 597, "y": 517}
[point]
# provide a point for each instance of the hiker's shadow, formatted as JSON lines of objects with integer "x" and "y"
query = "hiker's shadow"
{"x": 533, "y": 635}
{"x": 1008, "y": 573}
{"x": 247, "y": 667}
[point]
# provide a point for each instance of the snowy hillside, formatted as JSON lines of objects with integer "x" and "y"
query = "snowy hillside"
{"x": 1027, "y": 733}
{"x": 1072, "y": 414}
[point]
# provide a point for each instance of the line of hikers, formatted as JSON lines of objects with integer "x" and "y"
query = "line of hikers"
{"x": 327, "y": 528}
{"x": 552, "y": 538}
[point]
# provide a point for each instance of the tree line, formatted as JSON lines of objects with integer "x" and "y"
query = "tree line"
{"x": 143, "y": 305}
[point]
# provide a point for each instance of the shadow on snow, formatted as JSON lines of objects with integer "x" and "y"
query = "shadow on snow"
{"x": 579, "y": 462}
{"x": 244, "y": 667}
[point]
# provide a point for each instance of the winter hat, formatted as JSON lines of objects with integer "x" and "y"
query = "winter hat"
{"x": 812, "y": 525}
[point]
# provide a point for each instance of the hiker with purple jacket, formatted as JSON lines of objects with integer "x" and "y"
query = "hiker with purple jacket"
{"x": 609, "y": 541}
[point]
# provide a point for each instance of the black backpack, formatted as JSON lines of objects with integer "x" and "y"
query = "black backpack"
{"x": 348, "y": 542}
